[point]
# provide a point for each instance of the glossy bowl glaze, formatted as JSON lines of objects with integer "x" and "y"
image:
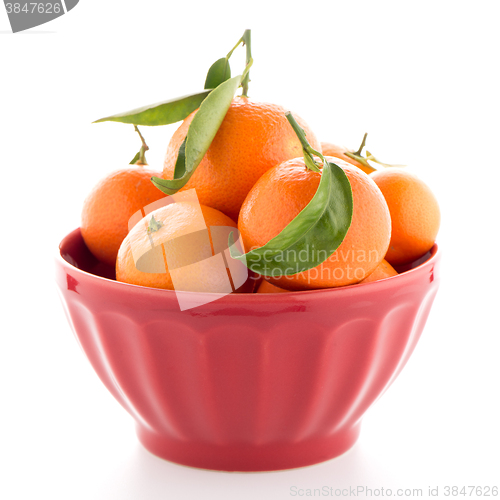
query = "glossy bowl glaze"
{"x": 249, "y": 382}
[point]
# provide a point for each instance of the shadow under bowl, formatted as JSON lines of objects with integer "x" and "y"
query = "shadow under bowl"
{"x": 248, "y": 382}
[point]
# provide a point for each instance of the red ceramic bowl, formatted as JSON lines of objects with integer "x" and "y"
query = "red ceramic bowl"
{"x": 249, "y": 382}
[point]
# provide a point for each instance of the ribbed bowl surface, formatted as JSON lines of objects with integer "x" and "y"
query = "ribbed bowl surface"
{"x": 249, "y": 381}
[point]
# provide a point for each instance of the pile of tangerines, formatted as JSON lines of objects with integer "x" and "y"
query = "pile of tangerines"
{"x": 258, "y": 173}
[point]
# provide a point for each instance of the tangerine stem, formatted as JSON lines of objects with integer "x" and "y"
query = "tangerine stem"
{"x": 307, "y": 150}
{"x": 358, "y": 152}
{"x": 144, "y": 148}
{"x": 247, "y": 41}
{"x": 230, "y": 53}
{"x": 361, "y": 159}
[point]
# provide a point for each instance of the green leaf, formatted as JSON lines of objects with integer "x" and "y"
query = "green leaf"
{"x": 219, "y": 72}
{"x": 136, "y": 157}
{"x": 312, "y": 236}
{"x": 180, "y": 164}
{"x": 161, "y": 113}
{"x": 202, "y": 130}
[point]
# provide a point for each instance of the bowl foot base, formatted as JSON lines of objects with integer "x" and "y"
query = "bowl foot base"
{"x": 248, "y": 458}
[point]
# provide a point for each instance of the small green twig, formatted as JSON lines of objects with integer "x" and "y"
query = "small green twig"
{"x": 247, "y": 41}
{"x": 230, "y": 53}
{"x": 359, "y": 157}
{"x": 370, "y": 157}
{"x": 307, "y": 150}
{"x": 144, "y": 148}
{"x": 358, "y": 152}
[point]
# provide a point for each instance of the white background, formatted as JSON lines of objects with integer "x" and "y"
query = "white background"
{"x": 421, "y": 77}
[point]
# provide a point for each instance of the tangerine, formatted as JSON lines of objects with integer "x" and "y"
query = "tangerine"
{"x": 174, "y": 237}
{"x": 266, "y": 287}
{"x": 109, "y": 206}
{"x": 283, "y": 191}
{"x": 252, "y": 138}
{"x": 382, "y": 271}
{"x": 414, "y": 212}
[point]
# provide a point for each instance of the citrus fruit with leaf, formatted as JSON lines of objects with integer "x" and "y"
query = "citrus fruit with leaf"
{"x": 414, "y": 212}
{"x": 282, "y": 192}
{"x": 172, "y": 248}
{"x": 252, "y": 138}
{"x": 225, "y": 142}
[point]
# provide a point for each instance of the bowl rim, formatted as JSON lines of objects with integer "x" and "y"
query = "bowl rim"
{"x": 435, "y": 255}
